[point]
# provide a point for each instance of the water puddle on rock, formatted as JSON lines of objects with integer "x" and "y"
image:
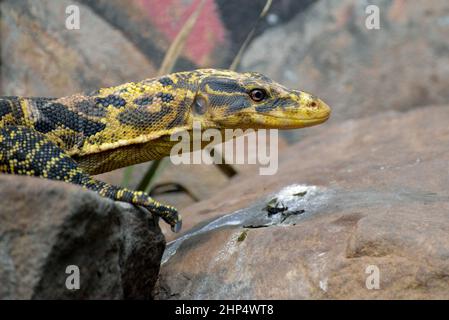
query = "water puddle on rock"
{"x": 285, "y": 207}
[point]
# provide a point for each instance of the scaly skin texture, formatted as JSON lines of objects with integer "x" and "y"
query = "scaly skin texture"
{"x": 70, "y": 138}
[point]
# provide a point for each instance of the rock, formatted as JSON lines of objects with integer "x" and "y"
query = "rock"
{"x": 362, "y": 196}
{"x": 133, "y": 19}
{"x": 46, "y": 226}
{"x": 40, "y": 57}
{"x": 239, "y": 17}
{"x": 215, "y": 39}
{"x": 328, "y": 51}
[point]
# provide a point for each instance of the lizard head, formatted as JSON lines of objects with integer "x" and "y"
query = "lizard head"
{"x": 227, "y": 99}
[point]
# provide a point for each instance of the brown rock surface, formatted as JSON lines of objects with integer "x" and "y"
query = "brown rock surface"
{"x": 46, "y": 226}
{"x": 376, "y": 195}
{"x": 40, "y": 57}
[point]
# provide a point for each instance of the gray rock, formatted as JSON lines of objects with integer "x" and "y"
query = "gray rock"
{"x": 46, "y": 226}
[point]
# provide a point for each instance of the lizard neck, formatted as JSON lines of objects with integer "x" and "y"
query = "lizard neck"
{"x": 139, "y": 119}
{"x": 135, "y": 113}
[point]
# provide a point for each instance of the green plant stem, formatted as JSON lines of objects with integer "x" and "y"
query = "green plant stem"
{"x": 149, "y": 175}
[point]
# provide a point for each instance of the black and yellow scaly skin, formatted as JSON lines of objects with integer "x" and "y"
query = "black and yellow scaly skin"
{"x": 70, "y": 138}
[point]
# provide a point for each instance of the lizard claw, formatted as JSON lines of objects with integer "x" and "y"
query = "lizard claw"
{"x": 177, "y": 226}
{"x": 172, "y": 217}
{"x": 169, "y": 214}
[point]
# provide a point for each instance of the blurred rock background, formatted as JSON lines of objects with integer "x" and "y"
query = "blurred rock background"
{"x": 393, "y": 77}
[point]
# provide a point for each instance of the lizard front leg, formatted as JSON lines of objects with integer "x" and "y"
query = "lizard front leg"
{"x": 27, "y": 152}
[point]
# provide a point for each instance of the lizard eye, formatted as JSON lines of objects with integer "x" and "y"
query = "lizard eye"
{"x": 257, "y": 94}
{"x": 199, "y": 105}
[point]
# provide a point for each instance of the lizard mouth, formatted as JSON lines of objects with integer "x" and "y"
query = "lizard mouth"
{"x": 314, "y": 112}
{"x": 296, "y": 122}
{"x": 294, "y": 119}
{"x": 279, "y": 121}
{"x": 299, "y": 119}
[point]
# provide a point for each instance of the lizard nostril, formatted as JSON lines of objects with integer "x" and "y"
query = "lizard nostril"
{"x": 313, "y": 104}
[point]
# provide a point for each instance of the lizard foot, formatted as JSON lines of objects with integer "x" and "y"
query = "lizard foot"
{"x": 169, "y": 214}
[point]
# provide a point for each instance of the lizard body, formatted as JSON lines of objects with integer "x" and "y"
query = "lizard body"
{"x": 71, "y": 138}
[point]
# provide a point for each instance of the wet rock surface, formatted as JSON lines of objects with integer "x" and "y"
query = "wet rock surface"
{"x": 46, "y": 226}
{"x": 373, "y": 193}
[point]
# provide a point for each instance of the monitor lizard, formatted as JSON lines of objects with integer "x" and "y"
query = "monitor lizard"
{"x": 71, "y": 138}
